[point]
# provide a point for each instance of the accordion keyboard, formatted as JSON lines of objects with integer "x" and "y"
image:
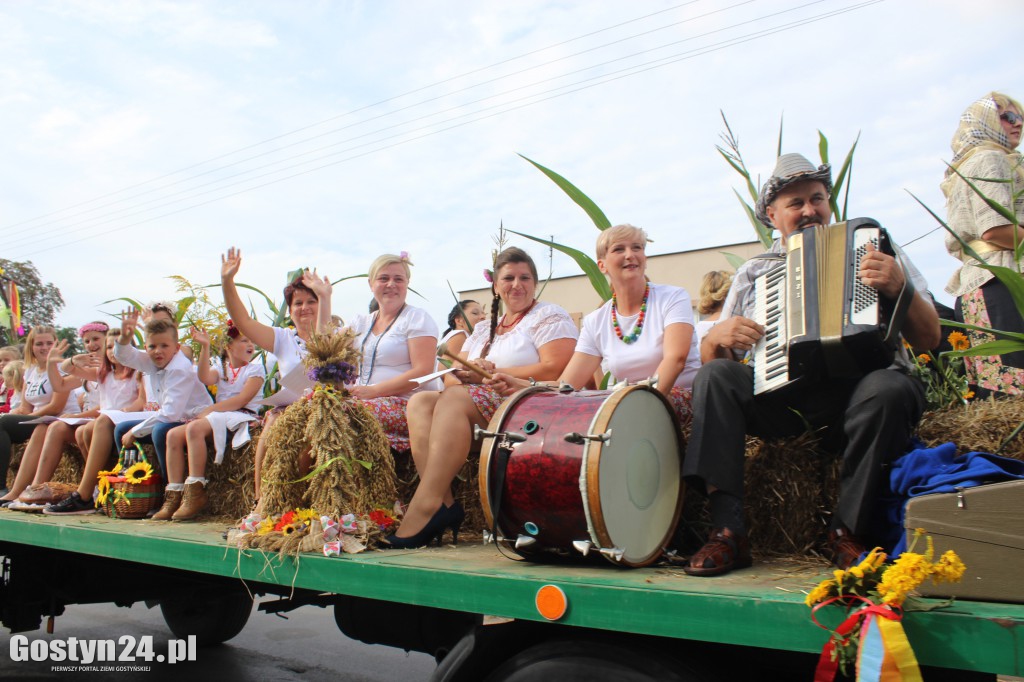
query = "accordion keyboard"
{"x": 769, "y": 353}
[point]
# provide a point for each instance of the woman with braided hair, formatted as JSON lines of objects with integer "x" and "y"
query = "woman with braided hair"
{"x": 523, "y": 337}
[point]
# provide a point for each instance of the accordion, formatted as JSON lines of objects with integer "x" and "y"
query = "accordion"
{"x": 820, "y": 321}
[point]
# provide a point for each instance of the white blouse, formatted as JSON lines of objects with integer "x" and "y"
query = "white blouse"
{"x": 387, "y": 356}
{"x": 233, "y": 385}
{"x": 546, "y": 322}
{"x": 38, "y": 391}
{"x": 639, "y": 360}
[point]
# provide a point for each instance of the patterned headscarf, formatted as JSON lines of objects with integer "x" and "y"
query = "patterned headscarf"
{"x": 979, "y": 129}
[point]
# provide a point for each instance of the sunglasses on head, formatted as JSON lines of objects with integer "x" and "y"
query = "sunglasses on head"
{"x": 1011, "y": 117}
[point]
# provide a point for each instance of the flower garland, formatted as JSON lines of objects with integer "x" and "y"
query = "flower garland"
{"x": 304, "y": 530}
{"x": 875, "y": 595}
{"x": 336, "y": 373}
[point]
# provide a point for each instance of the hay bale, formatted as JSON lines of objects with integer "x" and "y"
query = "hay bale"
{"x": 69, "y": 470}
{"x": 792, "y": 484}
{"x": 231, "y": 484}
{"x": 981, "y": 425}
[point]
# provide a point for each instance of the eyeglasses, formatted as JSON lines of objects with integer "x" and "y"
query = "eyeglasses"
{"x": 1011, "y": 117}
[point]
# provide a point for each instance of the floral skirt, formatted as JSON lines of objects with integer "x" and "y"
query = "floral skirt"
{"x": 681, "y": 402}
{"x": 390, "y": 412}
{"x": 486, "y": 399}
{"x": 991, "y": 306}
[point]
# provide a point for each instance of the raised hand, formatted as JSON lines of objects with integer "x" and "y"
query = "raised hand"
{"x": 129, "y": 323}
{"x": 200, "y": 336}
{"x": 321, "y": 286}
{"x": 230, "y": 263}
{"x": 57, "y": 351}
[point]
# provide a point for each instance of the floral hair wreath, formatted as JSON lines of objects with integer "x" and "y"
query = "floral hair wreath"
{"x": 233, "y": 332}
{"x": 93, "y": 327}
{"x": 404, "y": 257}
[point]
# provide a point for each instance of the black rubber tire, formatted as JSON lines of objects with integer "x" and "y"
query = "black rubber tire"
{"x": 213, "y": 619}
{"x": 582, "y": 661}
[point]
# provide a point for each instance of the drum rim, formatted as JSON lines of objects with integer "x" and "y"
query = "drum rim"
{"x": 592, "y": 506}
{"x": 488, "y": 445}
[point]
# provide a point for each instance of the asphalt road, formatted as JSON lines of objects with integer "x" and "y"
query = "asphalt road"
{"x": 305, "y": 646}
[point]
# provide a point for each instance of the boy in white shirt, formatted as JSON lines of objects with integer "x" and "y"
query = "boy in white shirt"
{"x": 176, "y": 388}
{"x": 179, "y": 392}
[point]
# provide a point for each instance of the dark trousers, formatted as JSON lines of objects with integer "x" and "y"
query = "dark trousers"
{"x": 158, "y": 438}
{"x": 873, "y": 418}
{"x": 12, "y": 430}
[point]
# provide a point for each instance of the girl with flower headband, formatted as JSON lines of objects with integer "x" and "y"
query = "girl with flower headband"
{"x": 530, "y": 339}
{"x": 398, "y": 344}
{"x": 239, "y": 382}
{"x": 40, "y": 398}
{"x": 114, "y": 387}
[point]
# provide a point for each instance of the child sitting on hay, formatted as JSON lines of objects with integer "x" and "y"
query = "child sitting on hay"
{"x": 326, "y": 453}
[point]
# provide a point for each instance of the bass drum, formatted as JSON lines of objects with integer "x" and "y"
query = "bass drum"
{"x": 589, "y": 471}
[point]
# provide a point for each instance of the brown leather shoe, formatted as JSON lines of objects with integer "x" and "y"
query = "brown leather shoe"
{"x": 172, "y": 500}
{"x": 844, "y": 549}
{"x": 192, "y": 503}
{"x": 723, "y": 552}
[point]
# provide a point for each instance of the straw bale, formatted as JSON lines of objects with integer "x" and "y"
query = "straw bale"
{"x": 231, "y": 484}
{"x": 981, "y": 425}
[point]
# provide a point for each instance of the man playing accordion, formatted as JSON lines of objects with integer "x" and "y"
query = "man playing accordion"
{"x": 874, "y": 414}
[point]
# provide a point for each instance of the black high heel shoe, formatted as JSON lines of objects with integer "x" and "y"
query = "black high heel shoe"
{"x": 434, "y": 529}
{"x": 456, "y": 515}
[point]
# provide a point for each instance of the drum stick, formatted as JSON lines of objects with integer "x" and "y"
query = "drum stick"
{"x": 443, "y": 350}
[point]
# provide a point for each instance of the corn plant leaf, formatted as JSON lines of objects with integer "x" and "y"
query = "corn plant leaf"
{"x": 131, "y": 301}
{"x": 270, "y": 301}
{"x": 778, "y": 147}
{"x": 997, "y": 347}
{"x": 992, "y": 203}
{"x": 586, "y": 263}
{"x": 734, "y": 260}
{"x": 823, "y": 147}
{"x": 840, "y": 178}
{"x": 986, "y": 330}
{"x": 764, "y": 233}
{"x": 581, "y": 199}
{"x": 1010, "y": 278}
{"x": 349, "y": 277}
{"x": 462, "y": 313}
{"x": 183, "y": 306}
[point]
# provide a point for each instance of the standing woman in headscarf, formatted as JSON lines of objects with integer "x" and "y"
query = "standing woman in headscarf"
{"x": 985, "y": 146}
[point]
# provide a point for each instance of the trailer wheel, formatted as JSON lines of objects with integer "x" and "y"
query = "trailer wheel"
{"x": 576, "y": 661}
{"x": 212, "y": 619}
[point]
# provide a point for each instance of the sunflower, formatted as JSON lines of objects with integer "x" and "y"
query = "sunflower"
{"x": 959, "y": 341}
{"x": 138, "y": 472}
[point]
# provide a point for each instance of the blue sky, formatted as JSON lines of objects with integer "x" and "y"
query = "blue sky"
{"x": 144, "y": 138}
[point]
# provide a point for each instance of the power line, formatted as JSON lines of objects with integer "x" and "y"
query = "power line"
{"x": 357, "y": 123}
{"x": 629, "y": 71}
{"x": 128, "y": 212}
{"x": 356, "y": 110}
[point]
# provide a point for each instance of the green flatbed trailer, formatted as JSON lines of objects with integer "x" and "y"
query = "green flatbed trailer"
{"x": 475, "y": 609}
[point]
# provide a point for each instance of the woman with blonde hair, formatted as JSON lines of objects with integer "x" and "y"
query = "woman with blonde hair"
{"x": 397, "y": 343}
{"x": 985, "y": 150}
{"x": 38, "y": 399}
{"x": 713, "y": 290}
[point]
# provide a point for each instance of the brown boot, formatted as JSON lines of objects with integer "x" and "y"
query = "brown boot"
{"x": 194, "y": 501}
{"x": 172, "y": 500}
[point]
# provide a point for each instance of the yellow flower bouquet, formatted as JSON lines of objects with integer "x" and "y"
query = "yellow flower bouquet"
{"x": 875, "y": 594}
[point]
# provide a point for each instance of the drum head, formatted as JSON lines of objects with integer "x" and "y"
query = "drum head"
{"x": 633, "y": 487}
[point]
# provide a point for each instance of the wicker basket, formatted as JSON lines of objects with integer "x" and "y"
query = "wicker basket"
{"x": 132, "y": 500}
{"x": 126, "y": 500}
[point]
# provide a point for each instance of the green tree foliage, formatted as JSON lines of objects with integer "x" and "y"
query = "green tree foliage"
{"x": 40, "y": 302}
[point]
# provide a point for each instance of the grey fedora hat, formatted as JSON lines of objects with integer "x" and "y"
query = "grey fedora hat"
{"x": 790, "y": 168}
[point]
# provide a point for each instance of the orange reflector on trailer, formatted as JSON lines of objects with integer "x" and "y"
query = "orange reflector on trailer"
{"x": 551, "y": 602}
